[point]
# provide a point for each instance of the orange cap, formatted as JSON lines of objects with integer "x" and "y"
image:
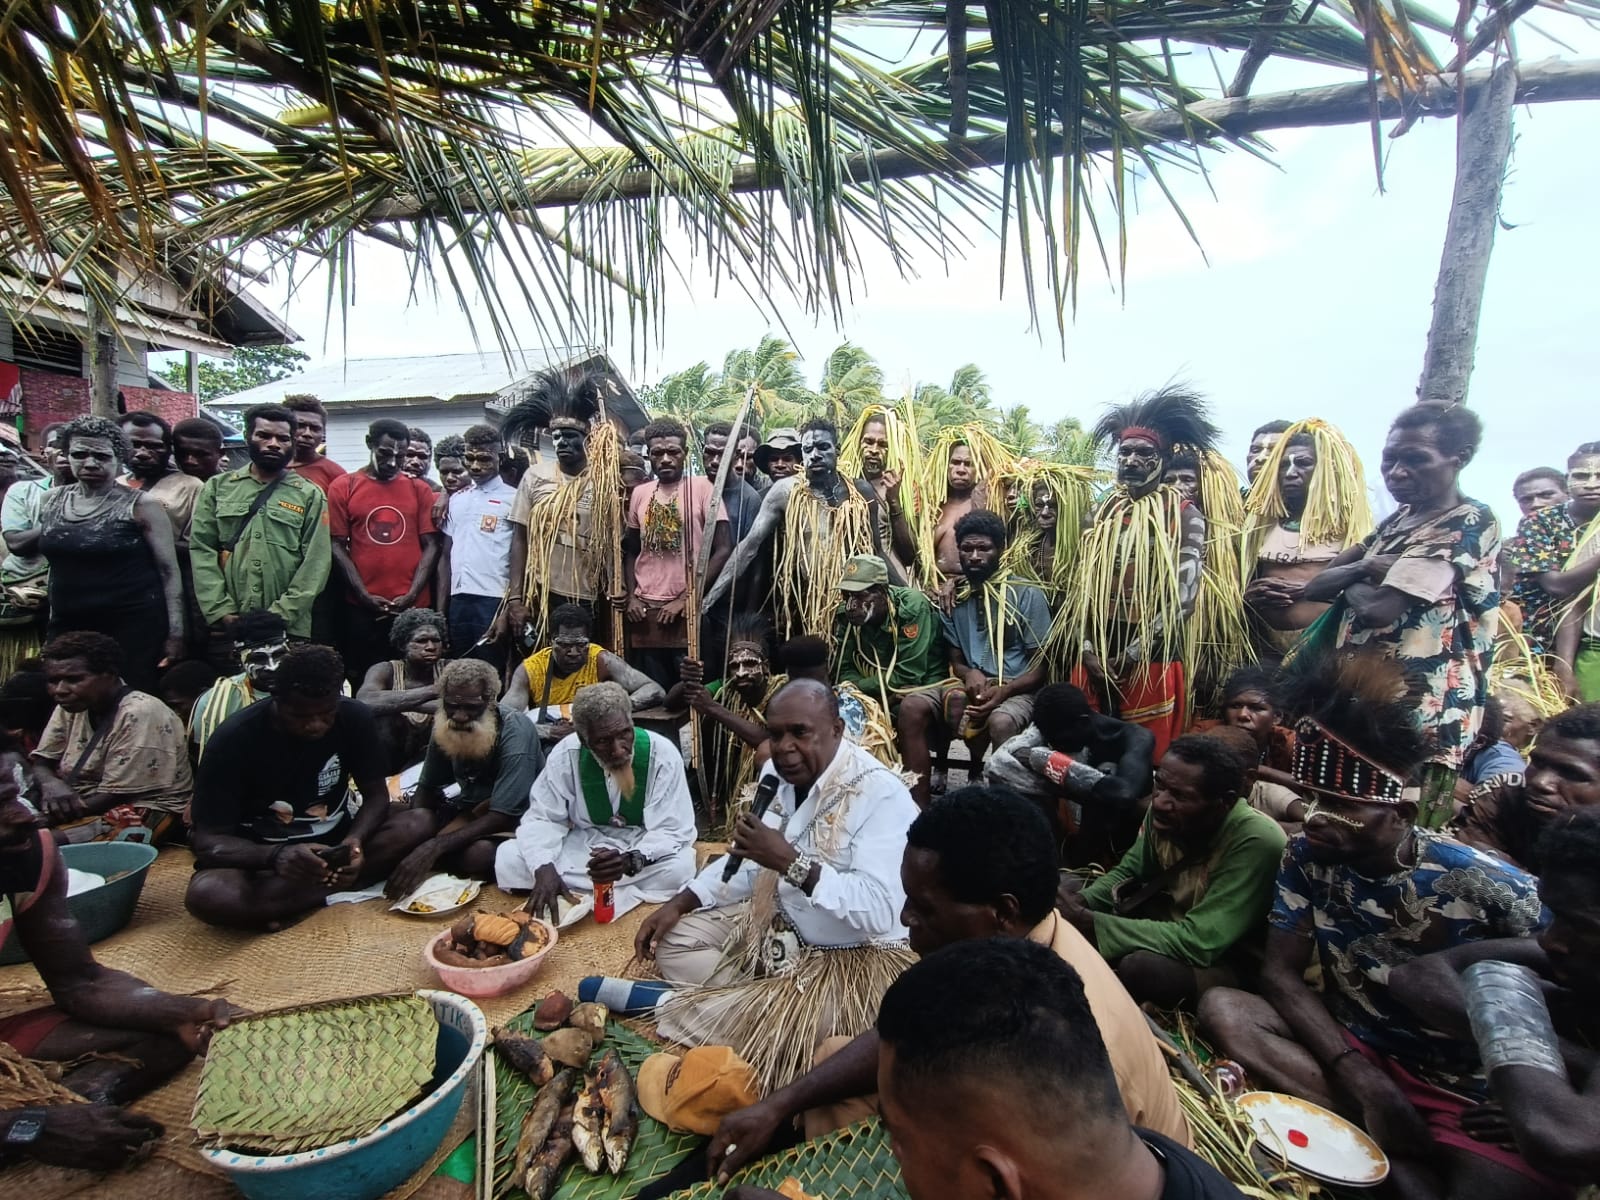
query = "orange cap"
{"x": 693, "y": 1093}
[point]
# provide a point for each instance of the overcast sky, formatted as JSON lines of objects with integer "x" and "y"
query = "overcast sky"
{"x": 1311, "y": 298}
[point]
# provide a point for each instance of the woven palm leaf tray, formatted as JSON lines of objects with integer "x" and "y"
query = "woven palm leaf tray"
{"x": 656, "y": 1149}
{"x": 316, "y": 1074}
{"x": 855, "y": 1161}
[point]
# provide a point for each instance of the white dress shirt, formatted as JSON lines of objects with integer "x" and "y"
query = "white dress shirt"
{"x": 853, "y": 821}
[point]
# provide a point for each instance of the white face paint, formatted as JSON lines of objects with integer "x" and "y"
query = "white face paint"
{"x": 819, "y": 453}
{"x": 260, "y": 663}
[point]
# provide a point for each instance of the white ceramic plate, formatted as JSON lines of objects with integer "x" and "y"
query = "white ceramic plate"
{"x": 1311, "y": 1139}
{"x": 437, "y": 896}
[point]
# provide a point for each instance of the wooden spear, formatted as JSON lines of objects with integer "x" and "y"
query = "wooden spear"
{"x": 617, "y": 635}
{"x": 697, "y": 587}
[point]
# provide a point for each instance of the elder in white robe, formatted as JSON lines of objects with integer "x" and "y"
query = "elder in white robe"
{"x": 558, "y": 828}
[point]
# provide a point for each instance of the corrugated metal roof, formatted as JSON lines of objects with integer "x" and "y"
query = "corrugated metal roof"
{"x": 438, "y": 377}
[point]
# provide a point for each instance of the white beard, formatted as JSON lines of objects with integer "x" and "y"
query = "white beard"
{"x": 622, "y": 777}
{"x": 473, "y": 744}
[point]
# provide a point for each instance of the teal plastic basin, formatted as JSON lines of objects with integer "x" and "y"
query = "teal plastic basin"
{"x": 104, "y": 910}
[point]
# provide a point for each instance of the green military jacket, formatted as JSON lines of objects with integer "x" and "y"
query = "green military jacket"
{"x": 904, "y": 653}
{"x": 280, "y": 562}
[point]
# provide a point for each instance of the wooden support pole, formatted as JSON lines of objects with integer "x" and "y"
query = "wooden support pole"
{"x": 102, "y": 359}
{"x": 1483, "y": 147}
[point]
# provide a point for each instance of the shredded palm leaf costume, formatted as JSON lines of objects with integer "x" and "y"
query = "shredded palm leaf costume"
{"x": 1127, "y": 602}
{"x": 1125, "y": 590}
{"x": 1335, "y": 514}
{"x": 734, "y": 761}
{"x": 1336, "y": 509}
{"x": 554, "y": 518}
{"x": 1217, "y": 637}
{"x": 1027, "y": 557}
{"x": 900, "y": 431}
{"x": 1518, "y": 671}
{"x": 991, "y": 462}
{"x": 818, "y": 539}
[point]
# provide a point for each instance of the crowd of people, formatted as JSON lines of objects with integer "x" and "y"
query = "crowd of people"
{"x": 1231, "y": 746}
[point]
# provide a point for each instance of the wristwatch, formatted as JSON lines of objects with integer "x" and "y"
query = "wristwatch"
{"x": 26, "y": 1127}
{"x": 800, "y": 870}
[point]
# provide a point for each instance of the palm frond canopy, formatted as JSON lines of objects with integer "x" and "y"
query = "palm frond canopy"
{"x": 545, "y": 152}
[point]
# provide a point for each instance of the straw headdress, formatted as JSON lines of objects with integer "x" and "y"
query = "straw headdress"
{"x": 1073, "y": 489}
{"x": 1217, "y": 640}
{"x": 1336, "y": 509}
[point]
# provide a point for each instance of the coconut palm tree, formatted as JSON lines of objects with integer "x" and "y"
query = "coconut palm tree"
{"x": 772, "y": 368}
{"x": 566, "y": 156}
{"x": 1018, "y": 431}
{"x": 969, "y": 398}
{"x": 851, "y": 380}
{"x": 1066, "y": 441}
{"x": 693, "y": 395}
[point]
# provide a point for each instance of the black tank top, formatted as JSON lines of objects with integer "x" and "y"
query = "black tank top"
{"x": 98, "y": 562}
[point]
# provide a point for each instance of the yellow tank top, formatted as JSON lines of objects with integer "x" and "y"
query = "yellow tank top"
{"x": 562, "y": 689}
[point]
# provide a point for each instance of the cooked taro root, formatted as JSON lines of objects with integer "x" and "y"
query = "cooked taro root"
{"x": 570, "y": 1047}
{"x": 492, "y": 940}
{"x": 552, "y": 1012}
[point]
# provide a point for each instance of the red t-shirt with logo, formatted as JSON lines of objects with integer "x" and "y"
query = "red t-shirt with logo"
{"x": 385, "y": 523}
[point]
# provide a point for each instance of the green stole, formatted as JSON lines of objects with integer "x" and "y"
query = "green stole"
{"x": 592, "y": 780}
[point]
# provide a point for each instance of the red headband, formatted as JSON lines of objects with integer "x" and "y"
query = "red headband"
{"x": 1143, "y": 431}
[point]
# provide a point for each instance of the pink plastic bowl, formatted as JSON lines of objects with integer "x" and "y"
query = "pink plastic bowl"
{"x": 486, "y": 981}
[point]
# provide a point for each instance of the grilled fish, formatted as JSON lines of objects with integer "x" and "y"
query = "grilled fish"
{"x": 542, "y": 1118}
{"x": 616, "y": 1091}
{"x": 526, "y": 1055}
{"x": 539, "y": 1180}
{"x": 588, "y": 1118}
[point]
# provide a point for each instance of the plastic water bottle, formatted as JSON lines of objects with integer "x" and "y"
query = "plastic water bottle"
{"x": 604, "y": 910}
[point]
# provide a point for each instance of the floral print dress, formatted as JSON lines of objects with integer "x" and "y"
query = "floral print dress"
{"x": 1544, "y": 541}
{"x": 1445, "y": 640}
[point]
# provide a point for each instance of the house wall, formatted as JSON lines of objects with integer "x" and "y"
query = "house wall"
{"x": 47, "y": 398}
{"x": 133, "y": 367}
{"x": 347, "y": 428}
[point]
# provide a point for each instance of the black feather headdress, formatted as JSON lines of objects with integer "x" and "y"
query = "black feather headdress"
{"x": 569, "y": 392}
{"x": 1174, "y": 415}
{"x": 1357, "y": 735}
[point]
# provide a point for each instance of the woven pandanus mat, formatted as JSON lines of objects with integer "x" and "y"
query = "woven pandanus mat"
{"x": 853, "y": 1161}
{"x": 656, "y": 1149}
{"x": 314, "y": 1075}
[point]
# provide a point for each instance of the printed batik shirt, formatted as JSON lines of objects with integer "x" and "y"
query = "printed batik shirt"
{"x": 1544, "y": 541}
{"x": 1363, "y": 928}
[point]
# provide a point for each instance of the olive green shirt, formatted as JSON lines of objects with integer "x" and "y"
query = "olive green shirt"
{"x": 280, "y": 562}
{"x": 906, "y": 652}
{"x": 1206, "y": 904}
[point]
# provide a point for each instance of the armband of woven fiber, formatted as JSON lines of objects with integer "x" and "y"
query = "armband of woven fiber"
{"x": 1509, "y": 1019}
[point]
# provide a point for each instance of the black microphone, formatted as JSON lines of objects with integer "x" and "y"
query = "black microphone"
{"x": 766, "y": 790}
